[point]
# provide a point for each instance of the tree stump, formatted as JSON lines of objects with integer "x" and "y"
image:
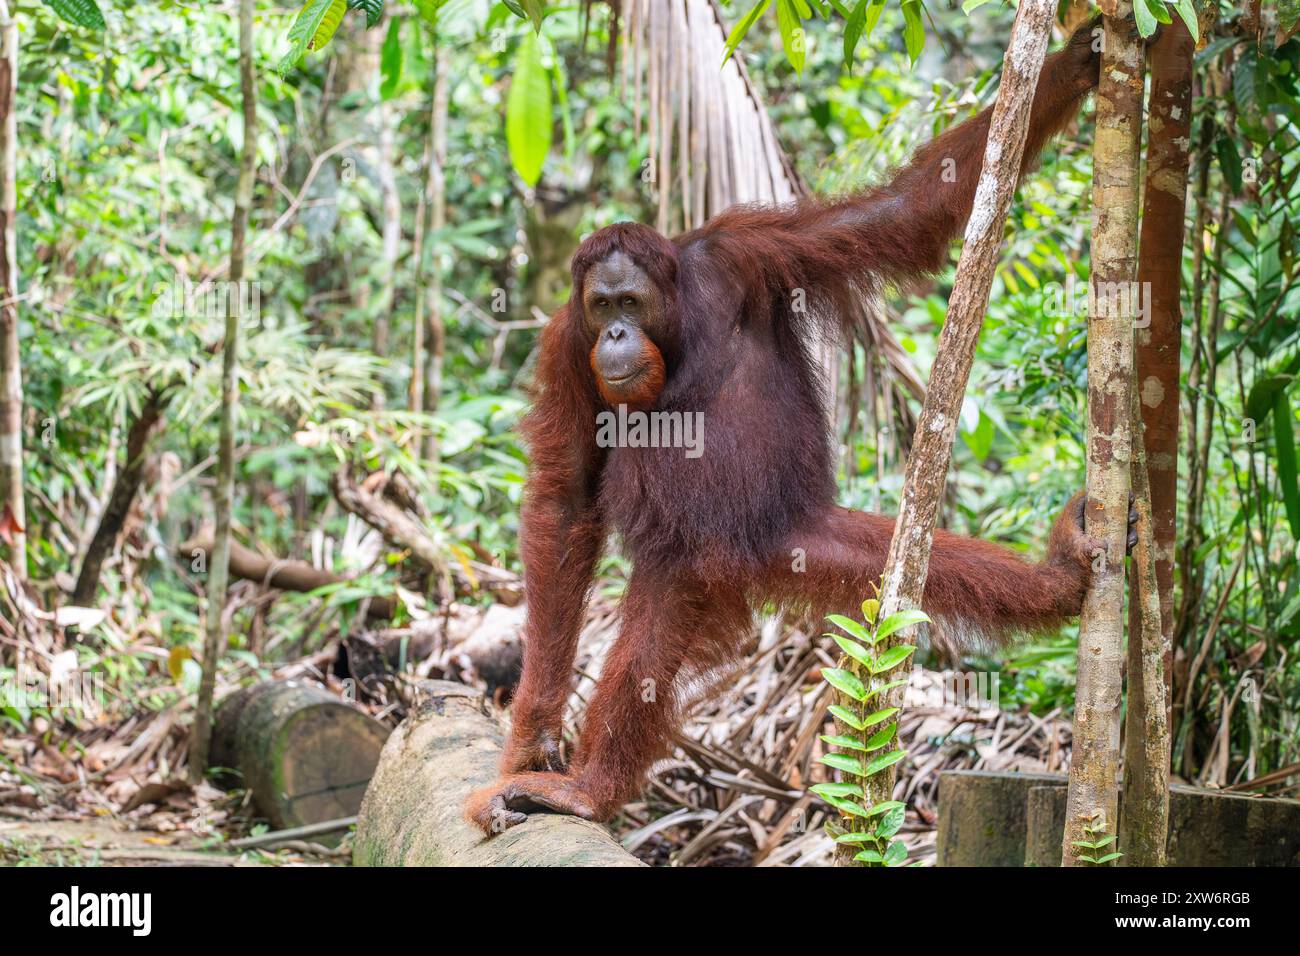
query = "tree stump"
{"x": 982, "y": 816}
{"x": 412, "y": 812}
{"x": 305, "y": 754}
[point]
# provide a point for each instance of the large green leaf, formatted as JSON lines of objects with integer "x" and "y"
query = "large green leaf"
{"x": 84, "y": 13}
{"x": 315, "y": 26}
{"x": 913, "y": 29}
{"x": 390, "y": 61}
{"x": 528, "y": 112}
{"x": 1284, "y": 433}
{"x": 742, "y": 27}
{"x": 793, "y": 38}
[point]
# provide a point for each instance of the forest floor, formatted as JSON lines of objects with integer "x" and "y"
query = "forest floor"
{"x": 108, "y": 789}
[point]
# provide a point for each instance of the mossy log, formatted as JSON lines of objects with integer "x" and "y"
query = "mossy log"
{"x": 305, "y": 754}
{"x": 447, "y": 747}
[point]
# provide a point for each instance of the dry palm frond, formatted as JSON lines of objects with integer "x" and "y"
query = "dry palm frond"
{"x": 711, "y": 145}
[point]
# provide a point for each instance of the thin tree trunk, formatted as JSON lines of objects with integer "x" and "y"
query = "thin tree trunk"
{"x": 391, "y": 228}
{"x": 125, "y": 488}
{"x": 11, "y": 376}
{"x": 927, "y": 465}
{"x": 1093, "y": 797}
{"x": 435, "y": 336}
{"x": 218, "y": 566}
{"x": 1144, "y": 827}
{"x": 1159, "y": 346}
{"x": 1145, "y": 823}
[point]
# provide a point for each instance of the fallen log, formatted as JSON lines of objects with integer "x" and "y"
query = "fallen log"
{"x": 405, "y": 530}
{"x": 411, "y": 814}
{"x": 305, "y": 755}
{"x": 282, "y": 574}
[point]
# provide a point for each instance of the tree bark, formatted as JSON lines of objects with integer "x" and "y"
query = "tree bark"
{"x": 412, "y": 812}
{"x": 1093, "y": 796}
{"x": 927, "y": 465}
{"x": 218, "y": 567}
{"x": 1144, "y": 822}
{"x": 120, "y": 500}
{"x": 11, "y": 377}
{"x": 1158, "y": 353}
{"x": 1159, "y": 345}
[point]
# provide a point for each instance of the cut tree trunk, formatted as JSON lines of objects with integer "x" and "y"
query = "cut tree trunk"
{"x": 412, "y": 814}
{"x": 304, "y": 754}
{"x": 1093, "y": 795}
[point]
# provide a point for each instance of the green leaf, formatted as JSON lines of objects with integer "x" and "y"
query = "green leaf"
{"x": 854, "y": 650}
{"x": 882, "y": 737}
{"x": 901, "y": 682}
{"x": 1284, "y": 441}
{"x": 891, "y": 823}
{"x": 841, "y": 740}
{"x": 1225, "y": 147}
{"x": 528, "y": 112}
{"x": 837, "y": 790}
{"x": 843, "y": 762}
{"x": 853, "y": 628}
{"x": 883, "y": 761}
{"x": 1107, "y": 858}
{"x": 1146, "y": 22}
{"x": 869, "y": 856}
{"x": 374, "y": 10}
{"x": 870, "y": 608}
{"x": 793, "y": 38}
{"x": 1187, "y": 10}
{"x": 531, "y": 10}
{"x": 896, "y": 853}
{"x": 913, "y": 29}
{"x": 390, "y": 61}
{"x": 855, "y": 838}
{"x": 847, "y": 716}
{"x": 885, "y": 806}
{"x": 853, "y": 31}
{"x": 83, "y": 13}
{"x": 742, "y": 27}
{"x": 845, "y": 682}
{"x": 428, "y": 11}
{"x": 892, "y": 658}
{"x": 879, "y": 716}
{"x": 899, "y": 620}
{"x": 847, "y": 806}
{"x": 971, "y": 5}
{"x": 312, "y": 30}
